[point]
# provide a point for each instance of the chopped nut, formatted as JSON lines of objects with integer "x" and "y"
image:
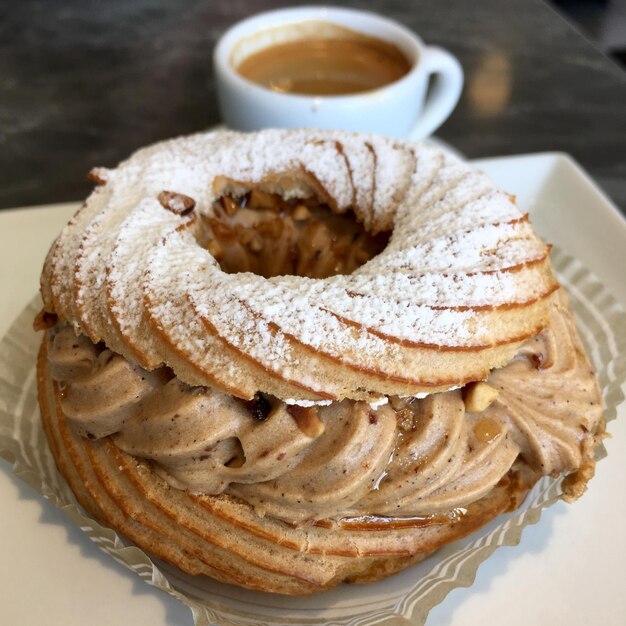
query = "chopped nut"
{"x": 256, "y": 244}
{"x": 97, "y": 175}
{"x": 262, "y": 200}
{"x": 244, "y": 235}
{"x": 215, "y": 250}
{"x": 230, "y": 206}
{"x": 406, "y": 420}
{"x": 307, "y": 419}
{"x": 301, "y": 213}
{"x": 221, "y": 230}
{"x": 177, "y": 203}
{"x": 272, "y": 228}
{"x": 361, "y": 255}
{"x": 397, "y": 403}
{"x": 478, "y": 396}
{"x": 44, "y": 320}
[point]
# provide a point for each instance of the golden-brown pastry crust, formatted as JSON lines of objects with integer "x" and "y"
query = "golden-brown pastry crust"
{"x": 444, "y": 284}
{"x": 466, "y": 280}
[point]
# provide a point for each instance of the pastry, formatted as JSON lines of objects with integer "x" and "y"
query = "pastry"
{"x": 295, "y": 358}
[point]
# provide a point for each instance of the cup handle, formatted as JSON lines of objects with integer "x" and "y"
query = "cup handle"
{"x": 445, "y": 91}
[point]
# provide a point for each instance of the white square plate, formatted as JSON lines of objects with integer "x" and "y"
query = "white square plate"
{"x": 568, "y": 569}
{"x": 567, "y": 209}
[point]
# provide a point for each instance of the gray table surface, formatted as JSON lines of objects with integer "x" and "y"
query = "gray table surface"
{"x": 85, "y": 83}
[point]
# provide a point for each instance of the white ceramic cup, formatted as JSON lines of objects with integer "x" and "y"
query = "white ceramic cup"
{"x": 399, "y": 109}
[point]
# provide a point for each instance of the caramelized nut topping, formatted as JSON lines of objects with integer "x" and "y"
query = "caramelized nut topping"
{"x": 230, "y": 206}
{"x": 256, "y": 244}
{"x": 270, "y": 236}
{"x": 361, "y": 255}
{"x": 478, "y": 396}
{"x": 307, "y": 419}
{"x": 177, "y": 203}
{"x": 44, "y": 320}
{"x": 271, "y": 228}
{"x": 301, "y": 213}
{"x": 96, "y": 175}
{"x": 215, "y": 249}
{"x": 258, "y": 199}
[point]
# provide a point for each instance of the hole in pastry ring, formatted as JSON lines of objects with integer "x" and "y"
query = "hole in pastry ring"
{"x": 463, "y": 281}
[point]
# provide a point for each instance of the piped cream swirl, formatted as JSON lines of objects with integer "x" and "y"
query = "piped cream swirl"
{"x": 409, "y": 457}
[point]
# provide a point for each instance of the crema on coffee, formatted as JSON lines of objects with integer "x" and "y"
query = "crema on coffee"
{"x": 345, "y": 63}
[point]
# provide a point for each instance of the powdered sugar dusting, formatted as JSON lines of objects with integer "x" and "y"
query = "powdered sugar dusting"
{"x": 62, "y": 262}
{"x": 126, "y": 272}
{"x": 129, "y": 272}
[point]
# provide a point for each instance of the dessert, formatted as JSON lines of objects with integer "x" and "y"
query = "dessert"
{"x": 294, "y": 358}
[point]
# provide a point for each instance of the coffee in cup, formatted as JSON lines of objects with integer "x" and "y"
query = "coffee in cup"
{"x": 265, "y": 74}
{"x": 331, "y": 61}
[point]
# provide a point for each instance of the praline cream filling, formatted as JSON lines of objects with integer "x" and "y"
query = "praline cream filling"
{"x": 405, "y": 457}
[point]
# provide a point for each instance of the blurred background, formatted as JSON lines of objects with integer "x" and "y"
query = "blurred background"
{"x": 603, "y": 21}
{"x": 86, "y": 82}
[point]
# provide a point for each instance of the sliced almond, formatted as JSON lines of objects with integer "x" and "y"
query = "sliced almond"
{"x": 478, "y": 396}
{"x": 177, "y": 203}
